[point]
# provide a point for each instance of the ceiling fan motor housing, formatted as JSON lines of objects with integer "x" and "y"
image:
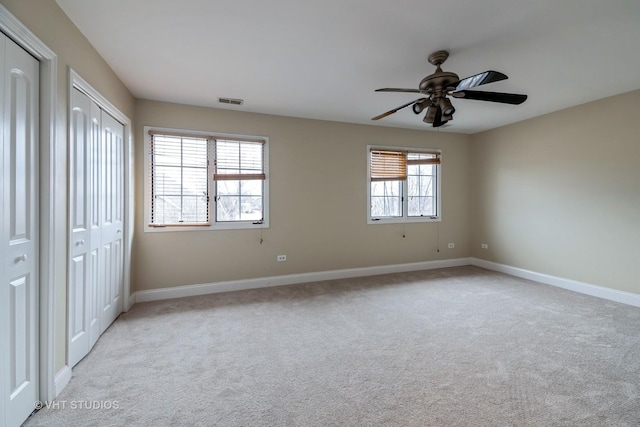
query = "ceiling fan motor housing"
{"x": 439, "y": 82}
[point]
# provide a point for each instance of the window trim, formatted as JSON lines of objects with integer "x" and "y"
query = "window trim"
{"x": 213, "y": 225}
{"x": 404, "y": 219}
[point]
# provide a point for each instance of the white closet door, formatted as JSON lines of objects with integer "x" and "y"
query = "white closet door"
{"x": 95, "y": 200}
{"x": 18, "y": 233}
{"x": 96, "y": 275}
{"x": 112, "y": 218}
{"x": 84, "y": 183}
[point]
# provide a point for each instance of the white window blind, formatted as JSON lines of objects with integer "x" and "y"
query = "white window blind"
{"x": 239, "y": 160}
{"x": 179, "y": 180}
{"x": 239, "y": 178}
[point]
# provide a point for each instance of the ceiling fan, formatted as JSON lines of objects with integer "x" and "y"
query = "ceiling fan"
{"x": 438, "y": 86}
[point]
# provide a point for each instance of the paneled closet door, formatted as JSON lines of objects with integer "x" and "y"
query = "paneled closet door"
{"x": 84, "y": 193}
{"x": 96, "y": 274}
{"x": 18, "y": 233}
{"x": 112, "y": 212}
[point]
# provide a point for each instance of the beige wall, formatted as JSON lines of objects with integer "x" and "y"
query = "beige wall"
{"x": 47, "y": 21}
{"x": 318, "y": 203}
{"x": 560, "y": 194}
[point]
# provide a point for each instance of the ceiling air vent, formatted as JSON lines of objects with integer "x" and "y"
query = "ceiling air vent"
{"x": 230, "y": 101}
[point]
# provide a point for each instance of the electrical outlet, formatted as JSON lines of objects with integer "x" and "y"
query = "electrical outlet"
{"x": 281, "y": 258}
{"x": 484, "y": 246}
{"x": 452, "y": 245}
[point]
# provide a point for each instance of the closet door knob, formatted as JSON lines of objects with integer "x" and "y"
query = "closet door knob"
{"x": 22, "y": 258}
{"x": 80, "y": 242}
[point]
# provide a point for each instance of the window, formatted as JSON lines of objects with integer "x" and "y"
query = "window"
{"x": 403, "y": 185}
{"x": 179, "y": 180}
{"x": 239, "y": 179}
{"x": 198, "y": 180}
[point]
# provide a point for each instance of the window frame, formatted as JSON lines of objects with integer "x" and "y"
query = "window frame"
{"x": 212, "y": 225}
{"x": 405, "y": 199}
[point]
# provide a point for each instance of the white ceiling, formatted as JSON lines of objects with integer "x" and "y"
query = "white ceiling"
{"x": 324, "y": 59}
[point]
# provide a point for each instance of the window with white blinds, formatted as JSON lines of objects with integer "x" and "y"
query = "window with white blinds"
{"x": 239, "y": 178}
{"x": 403, "y": 184}
{"x": 199, "y": 180}
{"x": 179, "y": 180}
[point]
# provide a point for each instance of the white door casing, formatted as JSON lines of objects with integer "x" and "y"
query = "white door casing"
{"x": 19, "y": 253}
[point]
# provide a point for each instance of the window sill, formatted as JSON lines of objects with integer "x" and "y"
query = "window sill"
{"x": 404, "y": 220}
{"x": 249, "y": 225}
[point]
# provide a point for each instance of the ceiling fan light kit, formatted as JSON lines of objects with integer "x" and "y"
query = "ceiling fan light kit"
{"x": 437, "y": 87}
{"x": 432, "y": 111}
{"x": 418, "y": 107}
{"x": 446, "y": 106}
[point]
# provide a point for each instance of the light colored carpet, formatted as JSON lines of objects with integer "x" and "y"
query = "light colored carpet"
{"x": 450, "y": 347}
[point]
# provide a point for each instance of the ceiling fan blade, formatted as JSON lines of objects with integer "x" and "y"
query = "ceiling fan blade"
{"x": 480, "y": 79}
{"x": 394, "y": 89}
{"x": 437, "y": 122}
{"x": 390, "y": 112}
{"x": 505, "y": 98}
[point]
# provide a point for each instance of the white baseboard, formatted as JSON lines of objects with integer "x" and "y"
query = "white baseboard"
{"x": 572, "y": 285}
{"x": 63, "y": 376}
{"x": 291, "y": 279}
